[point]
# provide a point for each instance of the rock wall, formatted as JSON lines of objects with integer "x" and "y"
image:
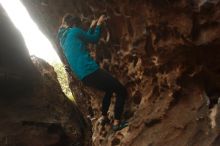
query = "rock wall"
{"x": 165, "y": 52}
{"x": 33, "y": 109}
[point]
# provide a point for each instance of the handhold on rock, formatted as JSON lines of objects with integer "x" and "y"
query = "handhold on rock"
{"x": 151, "y": 122}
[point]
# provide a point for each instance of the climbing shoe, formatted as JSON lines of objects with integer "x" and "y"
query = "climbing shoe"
{"x": 120, "y": 126}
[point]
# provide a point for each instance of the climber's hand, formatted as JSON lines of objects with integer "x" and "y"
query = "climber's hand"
{"x": 101, "y": 20}
{"x": 93, "y": 23}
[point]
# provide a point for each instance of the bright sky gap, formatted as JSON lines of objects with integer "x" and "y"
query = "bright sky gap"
{"x": 35, "y": 40}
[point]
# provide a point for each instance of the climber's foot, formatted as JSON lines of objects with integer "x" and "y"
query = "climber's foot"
{"x": 120, "y": 126}
{"x": 104, "y": 120}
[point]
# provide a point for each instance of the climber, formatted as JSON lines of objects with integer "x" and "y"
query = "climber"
{"x": 73, "y": 40}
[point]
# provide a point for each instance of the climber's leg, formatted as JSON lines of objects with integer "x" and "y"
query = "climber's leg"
{"x": 100, "y": 80}
{"x": 104, "y": 81}
{"x": 121, "y": 95}
{"x": 105, "y": 107}
{"x": 113, "y": 85}
{"x": 106, "y": 103}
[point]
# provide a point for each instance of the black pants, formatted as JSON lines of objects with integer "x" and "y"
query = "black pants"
{"x": 103, "y": 81}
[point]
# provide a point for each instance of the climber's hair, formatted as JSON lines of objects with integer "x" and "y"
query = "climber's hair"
{"x": 70, "y": 20}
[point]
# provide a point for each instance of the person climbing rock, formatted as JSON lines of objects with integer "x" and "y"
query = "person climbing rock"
{"x": 74, "y": 42}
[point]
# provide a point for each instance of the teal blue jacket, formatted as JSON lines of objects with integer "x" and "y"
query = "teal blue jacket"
{"x": 74, "y": 43}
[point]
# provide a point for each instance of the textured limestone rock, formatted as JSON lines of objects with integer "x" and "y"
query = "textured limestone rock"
{"x": 33, "y": 109}
{"x": 166, "y": 53}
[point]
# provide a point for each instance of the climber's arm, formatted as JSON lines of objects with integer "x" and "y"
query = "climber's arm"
{"x": 91, "y": 28}
{"x": 91, "y": 38}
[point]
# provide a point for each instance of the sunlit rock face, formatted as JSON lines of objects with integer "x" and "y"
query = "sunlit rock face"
{"x": 33, "y": 109}
{"x": 165, "y": 52}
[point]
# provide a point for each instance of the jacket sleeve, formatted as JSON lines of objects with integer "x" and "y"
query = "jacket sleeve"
{"x": 90, "y": 30}
{"x": 91, "y": 38}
